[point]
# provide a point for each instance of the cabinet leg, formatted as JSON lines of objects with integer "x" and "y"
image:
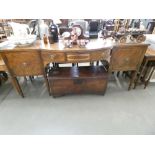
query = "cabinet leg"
{"x": 133, "y": 77}
{"x": 147, "y": 82}
{"x": 141, "y": 72}
{"x": 17, "y": 86}
{"x": 47, "y": 85}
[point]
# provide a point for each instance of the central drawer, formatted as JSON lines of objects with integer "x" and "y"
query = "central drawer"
{"x": 77, "y": 57}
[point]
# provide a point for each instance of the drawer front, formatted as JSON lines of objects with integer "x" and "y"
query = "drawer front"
{"x": 78, "y": 57}
{"x": 100, "y": 55}
{"x": 49, "y": 57}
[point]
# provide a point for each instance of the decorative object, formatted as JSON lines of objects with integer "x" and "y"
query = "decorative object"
{"x": 53, "y": 32}
{"x": 22, "y": 40}
{"x": 75, "y": 37}
{"x": 76, "y": 33}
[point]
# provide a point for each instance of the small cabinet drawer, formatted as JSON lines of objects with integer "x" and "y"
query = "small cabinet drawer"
{"x": 49, "y": 57}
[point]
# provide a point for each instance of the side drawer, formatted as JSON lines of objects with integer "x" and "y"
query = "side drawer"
{"x": 49, "y": 57}
{"x": 100, "y": 55}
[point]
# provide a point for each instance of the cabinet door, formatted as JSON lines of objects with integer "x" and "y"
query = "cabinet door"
{"x": 127, "y": 58}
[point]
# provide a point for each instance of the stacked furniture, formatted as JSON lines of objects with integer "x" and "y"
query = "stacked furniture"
{"x": 35, "y": 59}
{"x": 147, "y": 68}
{"x": 77, "y": 80}
{"x": 148, "y": 65}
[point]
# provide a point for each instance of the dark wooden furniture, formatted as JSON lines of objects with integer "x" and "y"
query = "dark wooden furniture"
{"x": 128, "y": 58}
{"x": 24, "y": 63}
{"x": 147, "y": 68}
{"x": 78, "y": 80}
{"x": 150, "y": 70}
{"x": 124, "y": 57}
{"x": 40, "y": 54}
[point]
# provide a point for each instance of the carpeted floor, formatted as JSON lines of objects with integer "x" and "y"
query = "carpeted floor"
{"x": 117, "y": 112}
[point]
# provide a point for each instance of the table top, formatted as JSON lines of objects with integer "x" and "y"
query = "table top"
{"x": 93, "y": 44}
{"x": 39, "y": 44}
{"x": 150, "y": 53}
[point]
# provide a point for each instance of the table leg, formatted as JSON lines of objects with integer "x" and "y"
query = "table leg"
{"x": 133, "y": 77}
{"x": 141, "y": 72}
{"x": 147, "y": 81}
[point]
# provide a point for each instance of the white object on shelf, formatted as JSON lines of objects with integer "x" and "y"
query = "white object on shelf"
{"x": 6, "y": 44}
{"x": 19, "y": 29}
{"x": 22, "y": 40}
{"x": 21, "y": 34}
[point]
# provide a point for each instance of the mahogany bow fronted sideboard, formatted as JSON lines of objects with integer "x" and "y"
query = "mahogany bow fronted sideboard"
{"x": 79, "y": 80}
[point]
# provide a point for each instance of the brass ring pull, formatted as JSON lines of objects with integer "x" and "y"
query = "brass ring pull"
{"x": 24, "y": 64}
{"x": 103, "y": 54}
{"x": 52, "y": 56}
{"x": 127, "y": 59}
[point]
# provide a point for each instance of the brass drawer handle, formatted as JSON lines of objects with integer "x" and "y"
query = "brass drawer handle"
{"x": 126, "y": 59}
{"x": 52, "y": 56}
{"x": 103, "y": 55}
{"x": 25, "y": 64}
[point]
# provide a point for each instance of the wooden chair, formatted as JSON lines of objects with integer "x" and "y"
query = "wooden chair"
{"x": 127, "y": 58}
{"x": 24, "y": 62}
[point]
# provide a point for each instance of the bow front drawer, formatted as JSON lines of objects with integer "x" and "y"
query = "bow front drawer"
{"x": 78, "y": 57}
